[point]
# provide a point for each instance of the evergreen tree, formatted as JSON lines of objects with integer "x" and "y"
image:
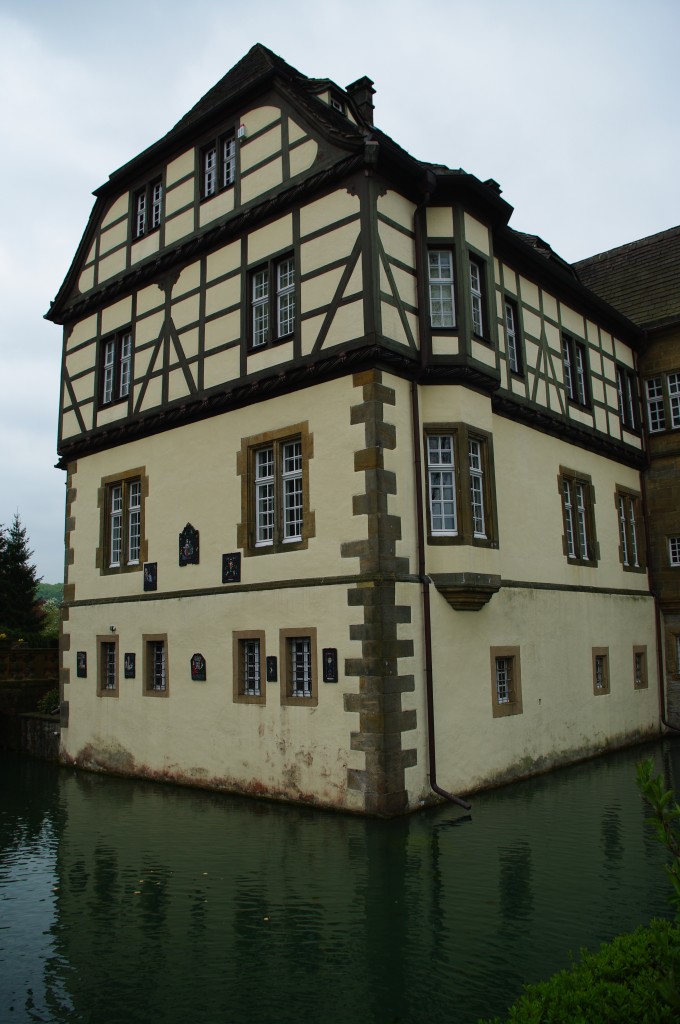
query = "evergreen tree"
{"x": 20, "y": 610}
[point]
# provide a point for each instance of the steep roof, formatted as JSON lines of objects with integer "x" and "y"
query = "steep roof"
{"x": 642, "y": 278}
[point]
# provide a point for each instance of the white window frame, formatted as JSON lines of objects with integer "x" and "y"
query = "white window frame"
{"x": 512, "y": 336}
{"x": 477, "y": 297}
{"x": 441, "y": 290}
{"x": 124, "y": 522}
{"x": 441, "y": 484}
{"x": 656, "y": 407}
{"x": 674, "y": 551}
{"x": 273, "y": 307}
{"x": 578, "y": 500}
{"x": 148, "y": 210}
{"x": 627, "y": 397}
{"x": 575, "y": 362}
{"x": 218, "y": 165}
{"x": 279, "y": 497}
{"x": 476, "y": 470}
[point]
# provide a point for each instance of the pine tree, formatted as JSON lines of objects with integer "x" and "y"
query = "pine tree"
{"x": 20, "y": 610}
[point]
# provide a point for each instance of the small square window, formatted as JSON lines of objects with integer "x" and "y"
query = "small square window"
{"x": 107, "y": 674}
{"x": 506, "y": 682}
{"x": 674, "y": 551}
{"x": 640, "y": 681}
{"x": 249, "y": 667}
{"x": 600, "y": 670}
{"x": 299, "y": 667}
{"x": 156, "y": 676}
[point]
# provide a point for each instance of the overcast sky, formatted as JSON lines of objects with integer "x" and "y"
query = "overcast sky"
{"x": 571, "y": 107}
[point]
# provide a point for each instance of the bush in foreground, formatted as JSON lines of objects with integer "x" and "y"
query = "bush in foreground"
{"x": 624, "y": 982}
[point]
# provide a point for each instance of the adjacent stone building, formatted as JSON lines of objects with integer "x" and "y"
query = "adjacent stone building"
{"x": 354, "y": 509}
{"x": 642, "y": 279}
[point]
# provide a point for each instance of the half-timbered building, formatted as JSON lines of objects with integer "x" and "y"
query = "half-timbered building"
{"x": 346, "y": 463}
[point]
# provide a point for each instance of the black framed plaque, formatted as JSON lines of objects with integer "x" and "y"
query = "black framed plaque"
{"x": 231, "y": 567}
{"x": 188, "y": 546}
{"x": 330, "y": 664}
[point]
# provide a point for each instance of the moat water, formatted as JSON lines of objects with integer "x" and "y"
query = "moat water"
{"x": 127, "y": 902}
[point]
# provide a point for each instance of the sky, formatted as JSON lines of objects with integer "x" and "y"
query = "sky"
{"x": 571, "y": 107}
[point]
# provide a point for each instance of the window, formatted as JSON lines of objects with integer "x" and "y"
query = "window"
{"x": 626, "y": 387}
{"x": 218, "y": 165}
{"x": 156, "y": 682}
{"x": 663, "y": 402}
{"x": 575, "y": 370}
{"x": 249, "y": 664}
{"x": 506, "y": 682}
{"x": 631, "y": 537}
{"x": 107, "y": 682}
{"x": 442, "y": 301}
{"x": 674, "y": 551}
{"x": 116, "y": 367}
{"x": 673, "y": 652}
{"x": 579, "y": 543}
{"x": 148, "y": 208}
{"x": 461, "y": 498}
{"x": 640, "y": 668}
{"x": 512, "y": 337}
{"x": 299, "y": 670}
{"x": 121, "y": 500}
{"x": 275, "y": 491}
{"x": 477, "y": 298}
{"x": 272, "y": 302}
{"x": 600, "y": 670}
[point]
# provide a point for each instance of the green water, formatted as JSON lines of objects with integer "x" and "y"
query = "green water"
{"x": 127, "y": 903}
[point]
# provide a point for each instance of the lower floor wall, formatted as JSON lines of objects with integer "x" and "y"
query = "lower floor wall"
{"x": 318, "y": 693}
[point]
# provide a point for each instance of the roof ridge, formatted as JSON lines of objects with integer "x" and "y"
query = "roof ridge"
{"x": 639, "y": 243}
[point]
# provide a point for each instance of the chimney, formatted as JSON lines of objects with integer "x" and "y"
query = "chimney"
{"x": 361, "y": 92}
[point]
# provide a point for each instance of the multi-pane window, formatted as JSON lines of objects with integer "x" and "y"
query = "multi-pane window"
{"x": 579, "y": 521}
{"x": 156, "y": 665}
{"x": 674, "y": 551}
{"x": 108, "y": 667}
{"x": 148, "y": 208}
{"x": 477, "y": 297}
{"x": 512, "y": 337}
{"x": 663, "y": 402}
{"x": 600, "y": 670}
{"x": 441, "y": 484}
{"x": 272, "y": 302}
{"x": 122, "y": 523}
{"x": 249, "y": 667}
{"x": 274, "y": 471}
{"x": 442, "y": 301}
{"x": 626, "y": 389}
{"x": 575, "y": 363}
{"x": 459, "y": 485}
{"x": 477, "y": 487}
{"x": 250, "y": 654}
{"x": 299, "y": 670}
{"x": 506, "y": 690}
{"x": 278, "y": 495}
{"x": 116, "y": 367}
{"x": 218, "y": 165}
{"x": 631, "y": 540}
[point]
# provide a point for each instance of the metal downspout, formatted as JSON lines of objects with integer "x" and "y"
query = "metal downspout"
{"x": 427, "y": 626}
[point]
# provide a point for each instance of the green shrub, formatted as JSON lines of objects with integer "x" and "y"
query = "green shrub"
{"x": 621, "y": 983}
{"x": 49, "y": 703}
